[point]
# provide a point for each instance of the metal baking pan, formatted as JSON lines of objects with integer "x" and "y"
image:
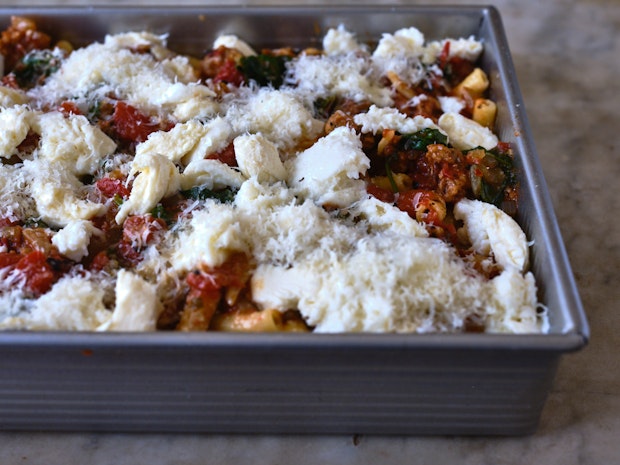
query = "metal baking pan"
{"x": 461, "y": 384}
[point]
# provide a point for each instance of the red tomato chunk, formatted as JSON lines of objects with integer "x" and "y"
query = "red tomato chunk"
{"x": 37, "y": 271}
{"x": 110, "y": 187}
{"x": 131, "y": 125}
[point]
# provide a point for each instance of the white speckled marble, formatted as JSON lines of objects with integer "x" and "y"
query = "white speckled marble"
{"x": 567, "y": 55}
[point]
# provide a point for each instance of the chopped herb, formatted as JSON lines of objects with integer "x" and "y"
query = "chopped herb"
{"x": 264, "y": 69}
{"x": 35, "y": 67}
{"x": 491, "y": 194}
{"x": 226, "y": 195}
{"x": 118, "y": 200}
{"x": 160, "y": 212}
{"x": 492, "y": 175}
{"x": 505, "y": 162}
{"x": 94, "y": 111}
{"x": 35, "y": 223}
{"x": 423, "y": 138}
{"x": 324, "y": 106}
{"x": 390, "y": 175}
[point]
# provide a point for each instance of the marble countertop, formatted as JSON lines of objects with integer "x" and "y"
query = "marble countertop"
{"x": 567, "y": 56}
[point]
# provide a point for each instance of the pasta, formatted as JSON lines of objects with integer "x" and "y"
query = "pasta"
{"x": 269, "y": 320}
{"x": 484, "y": 112}
{"x": 475, "y": 83}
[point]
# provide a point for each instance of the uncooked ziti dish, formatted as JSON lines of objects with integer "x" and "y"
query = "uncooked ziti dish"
{"x": 351, "y": 187}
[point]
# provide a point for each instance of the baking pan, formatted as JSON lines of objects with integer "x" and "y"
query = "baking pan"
{"x": 461, "y": 384}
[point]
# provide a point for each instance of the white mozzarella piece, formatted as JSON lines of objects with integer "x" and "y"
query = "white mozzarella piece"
{"x": 258, "y": 157}
{"x": 218, "y": 133}
{"x": 210, "y": 237}
{"x": 59, "y": 195}
{"x": 280, "y": 288}
{"x": 157, "y": 178}
{"x": 233, "y": 41}
{"x": 72, "y": 241}
{"x": 210, "y": 174}
{"x": 137, "y": 305}
{"x": 329, "y": 171}
{"x": 465, "y": 133}
{"x": 491, "y": 230}
{"x": 72, "y": 142}
{"x": 175, "y": 144}
{"x": 14, "y": 127}
{"x": 384, "y": 217}
{"x": 16, "y": 202}
{"x": 514, "y": 303}
{"x": 12, "y": 97}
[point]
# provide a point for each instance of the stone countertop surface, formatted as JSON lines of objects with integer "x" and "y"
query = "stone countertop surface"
{"x": 567, "y": 57}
